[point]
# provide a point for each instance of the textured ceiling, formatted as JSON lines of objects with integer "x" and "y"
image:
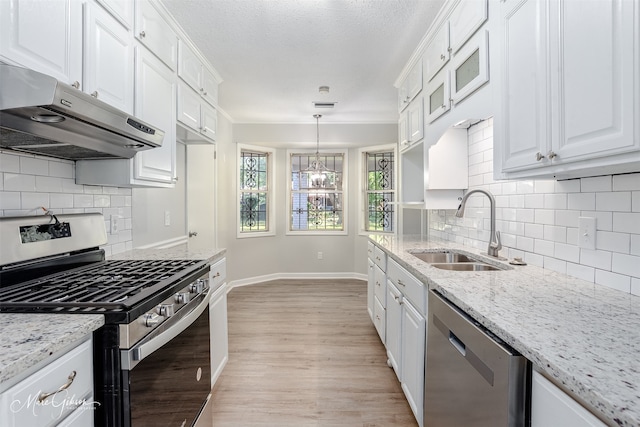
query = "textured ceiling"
{"x": 274, "y": 54}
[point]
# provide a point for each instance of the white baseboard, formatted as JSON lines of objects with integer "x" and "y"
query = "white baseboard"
{"x": 301, "y": 276}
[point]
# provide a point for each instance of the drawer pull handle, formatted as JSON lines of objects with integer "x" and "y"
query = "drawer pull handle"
{"x": 44, "y": 396}
{"x": 400, "y": 283}
{"x": 217, "y": 274}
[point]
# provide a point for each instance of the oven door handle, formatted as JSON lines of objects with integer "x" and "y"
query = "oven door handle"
{"x": 174, "y": 326}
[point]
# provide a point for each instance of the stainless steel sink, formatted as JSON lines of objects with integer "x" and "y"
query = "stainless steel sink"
{"x": 454, "y": 261}
{"x": 466, "y": 266}
{"x": 442, "y": 257}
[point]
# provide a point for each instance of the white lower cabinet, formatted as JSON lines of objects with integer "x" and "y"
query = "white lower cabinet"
{"x": 551, "y": 407}
{"x": 218, "y": 318}
{"x": 370, "y": 287}
{"x": 413, "y": 358}
{"x": 59, "y": 394}
{"x": 219, "y": 332}
{"x": 406, "y": 333}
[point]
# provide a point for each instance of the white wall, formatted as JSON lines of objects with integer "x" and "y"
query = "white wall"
{"x": 282, "y": 254}
{"x": 29, "y": 182}
{"x": 150, "y": 205}
{"x": 538, "y": 219}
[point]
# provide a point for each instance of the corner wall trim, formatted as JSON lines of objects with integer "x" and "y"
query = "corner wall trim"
{"x": 301, "y": 276}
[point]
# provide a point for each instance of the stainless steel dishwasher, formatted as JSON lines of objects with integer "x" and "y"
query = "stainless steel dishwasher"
{"x": 471, "y": 377}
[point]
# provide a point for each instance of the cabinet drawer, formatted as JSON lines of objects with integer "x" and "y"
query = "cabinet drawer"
{"x": 218, "y": 274}
{"x": 379, "y": 319}
{"x": 411, "y": 287}
{"x": 370, "y": 249}
{"x": 380, "y": 258}
{"x": 81, "y": 417}
{"x": 380, "y": 285}
{"x": 19, "y": 404}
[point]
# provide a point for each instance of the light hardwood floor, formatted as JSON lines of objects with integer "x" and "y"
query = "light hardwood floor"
{"x": 305, "y": 353}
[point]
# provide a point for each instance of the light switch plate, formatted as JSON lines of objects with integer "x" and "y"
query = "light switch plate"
{"x": 587, "y": 232}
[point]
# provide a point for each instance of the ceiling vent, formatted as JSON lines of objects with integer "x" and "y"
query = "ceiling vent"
{"x": 320, "y": 104}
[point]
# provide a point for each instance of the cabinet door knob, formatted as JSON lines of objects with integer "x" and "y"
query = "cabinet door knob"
{"x": 551, "y": 154}
{"x": 442, "y": 57}
{"x": 443, "y": 106}
{"x": 95, "y": 94}
{"x": 204, "y": 93}
{"x": 143, "y": 34}
{"x": 76, "y": 84}
{"x": 539, "y": 156}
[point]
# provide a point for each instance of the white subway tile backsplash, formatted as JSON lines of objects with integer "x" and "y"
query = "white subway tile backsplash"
{"x": 61, "y": 169}
{"x": 70, "y": 186}
{"x": 596, "y": 183}
{"x": 543, "y": 247}
{"x": 614, "y": 242}
{"x": 596, "y": 258}
{"x": 60, "y": 201}
{"x": 48, "y": 184}
{"x": 10, "y": 200}
{"x": 582, "y": 201}
{"x": 34, "y": 166}
{"x": 619, "y": 201}
{"x": 626, "y": 182}
{"x": 82, "y": 201}
{"x": 567, "y": 252}
{"x": 626, "y": 222}
{"x": 635, "y": 244}
{"x": 34, "y": 201}
{"x": 17, "y": 182}
{"x": 9, "y": 163}
{"x": 539, "y": 219}
{"x": 555, "y": 201}
{"x": 567, "y": 218}
{"x": 92, "y": 189}
{"x": 568, "y": 186}
{"x": 613, "y": 280}
{"x": 581, "y": 271}
{"x": 626, "y": 264}
{"x": 544, "y": 216}
{"x": 635, "y": 286}
{"x": 555, "y": 233}
{"x": 101, "y": 201}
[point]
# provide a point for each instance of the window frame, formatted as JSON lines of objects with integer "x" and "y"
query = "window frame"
{"x": 362, "y": 186}
{"x": 271, "y": 191}
{"x": 344, "y": 192}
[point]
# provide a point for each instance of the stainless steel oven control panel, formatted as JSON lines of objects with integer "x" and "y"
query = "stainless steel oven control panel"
{"x": 139, "y": 328}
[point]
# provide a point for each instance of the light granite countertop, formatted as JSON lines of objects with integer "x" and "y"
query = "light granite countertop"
{"x": 584, "y": 336}
{"x": 29, "y": 339}
{"x": 182, "y": 251}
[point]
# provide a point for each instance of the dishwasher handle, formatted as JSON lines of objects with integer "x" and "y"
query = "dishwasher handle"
{"x": 457, "y": 343}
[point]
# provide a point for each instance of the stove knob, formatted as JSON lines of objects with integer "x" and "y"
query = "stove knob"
{"x": 197, "y": 286}
{"x": 182, "y": 297}
{"x": 166, "y": 310}
{"x": 151, "y": 319}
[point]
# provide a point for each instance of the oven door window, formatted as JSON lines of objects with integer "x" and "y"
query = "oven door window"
{"x": 170, "y": 386}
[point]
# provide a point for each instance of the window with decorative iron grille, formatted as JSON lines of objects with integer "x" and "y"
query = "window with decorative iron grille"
{"x": 379, "y": 191}
{"x": 255, "y": 191}
{"x": 317, "y": 200}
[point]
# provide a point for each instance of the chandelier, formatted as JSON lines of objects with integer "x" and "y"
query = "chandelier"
{"x": 319, "y": 176}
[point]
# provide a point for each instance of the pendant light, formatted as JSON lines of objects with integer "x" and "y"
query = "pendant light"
{"x": 318, "y": 175}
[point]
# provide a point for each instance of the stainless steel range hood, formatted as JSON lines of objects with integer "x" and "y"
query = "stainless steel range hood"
{"x": 41, "y": 115}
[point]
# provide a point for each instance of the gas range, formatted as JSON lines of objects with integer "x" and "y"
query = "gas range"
{"x": 153, "y": 310}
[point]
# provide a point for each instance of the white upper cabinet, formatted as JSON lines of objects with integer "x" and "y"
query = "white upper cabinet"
{"x": 195, "y": 74}
{"x": 122, "y": 10}
{"x": 107, "y": 58}
{"x": 45, "y": 36}
{"x": 570, "y": 90}
{"x": 410, "y": 87}
{"x": 155, "y": 104}
{"x": 196, "y": 115}
{"x": 467, "y": 17}
{"x": 436, "y": 54}
{"x": 155, "y": 33}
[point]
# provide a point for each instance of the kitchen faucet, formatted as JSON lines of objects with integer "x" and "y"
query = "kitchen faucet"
{"x": 494, "y": 239}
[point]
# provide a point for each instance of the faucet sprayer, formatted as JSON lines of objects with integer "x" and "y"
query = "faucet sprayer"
{"x": 494, "y": 239}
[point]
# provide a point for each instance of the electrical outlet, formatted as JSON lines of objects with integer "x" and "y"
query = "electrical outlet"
{"x": 586, "y": 232}
{"x": 167, "y": 218}
{"x": 320, "y": 255}
{"x": 114, "y": 224}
